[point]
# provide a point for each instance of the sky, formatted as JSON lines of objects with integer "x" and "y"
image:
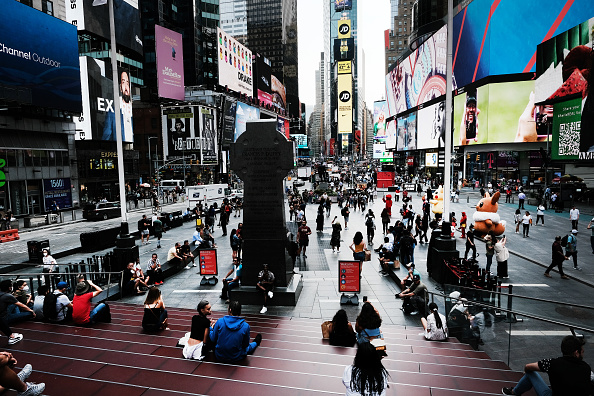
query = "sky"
{"x": 373, "y": 20}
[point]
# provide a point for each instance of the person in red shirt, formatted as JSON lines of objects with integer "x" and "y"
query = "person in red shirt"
{"x": 81, "y": 311}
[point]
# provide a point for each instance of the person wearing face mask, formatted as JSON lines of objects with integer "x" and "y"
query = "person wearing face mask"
{"x": 22, "y": 293}
{"x": 49, "y": 266}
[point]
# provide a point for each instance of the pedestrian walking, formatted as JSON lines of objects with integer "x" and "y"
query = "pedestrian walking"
{"x": 501, "y": 255}
{"x": 470, "y": 243}
{"x": 490, "y": 251}
{"x": 463, "y": 222}
{"x": 386, "y": 220}
{"x": 335, "y": 238}
{"x": 518, "y": 220}
{"x": 370, "y": 226}
{"x": 526, "y": 223}
{"x": 557, "y": 259}
{"x": 345, "y": 214}
{"x": 574, "y": 216}
{"x": 571, "y": 248}
{"x": 540, "y": 214}
{"x": 521, "y": 199}
{"x": 590, "y": 227}
{"x": 358, "y": 247}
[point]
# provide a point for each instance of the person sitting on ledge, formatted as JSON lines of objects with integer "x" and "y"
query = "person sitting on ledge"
{"x": 265, "y": 285}
{"x": 568, "y": 374}
{"x": 11, "y": 380}
{"x": 368, "y": 324}
{"x": 231, "y": 336}
{"x": 435, "y": 325}
{"x": 81, "y": 305}
{"x": 341, "y": 330}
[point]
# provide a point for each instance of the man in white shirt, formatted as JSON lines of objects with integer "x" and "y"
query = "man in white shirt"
{"x": 574, "y": 216}
{"x": 526, "y": 223}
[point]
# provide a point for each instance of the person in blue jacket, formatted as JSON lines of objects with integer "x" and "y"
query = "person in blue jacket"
{"x": 231, "y": 336}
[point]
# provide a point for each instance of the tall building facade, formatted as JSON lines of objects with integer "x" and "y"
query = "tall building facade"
{"x": 233, "y": 14}
{"x": 396, "y": 39}
{"x": 272, "y": 32}
{"x": 332, "y": 18}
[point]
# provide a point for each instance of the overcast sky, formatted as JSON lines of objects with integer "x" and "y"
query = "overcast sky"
{"x": 373, "y": 19}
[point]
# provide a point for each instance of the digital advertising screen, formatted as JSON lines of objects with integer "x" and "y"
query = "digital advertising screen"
{"x": 431, "y": 160}
{"x": 235, "y": 64}
{"x": 38, "y": 59}
{"x": 345, "y": 103}
{"x": 228, "y": 122}
{"x": 380, "y": 152}
{"x": 566, "y": 141}
{"x": 208, "y": 146}
{"x": 407, "y": 133}
{"x": 282, "y": 126}
{"x": 348, "y": 276}
{"x": 340, "y": 5}
{"x": 344, "y": 49}
{"x": 431, "y": 126}
{"x": 93, "y": 16}
{"x": 270, "y": 89}
{"x": 207, "y": 259}
{"x": 490, "y": 37}
{"x": 391, "y": 132}
{"x": 470, "y": 117}
{"x": 344, "y": 28}
{"x": 300, "y": 140}
{"x": 380, "y": 110}
{"x": 243, "y": 114}
{"x": 58, "y": 191}
{"x": 97, "y": 120}
{"x": 420, "y": 77}
{"x": 170, "y": 63}
{"x": 179, "y": 132}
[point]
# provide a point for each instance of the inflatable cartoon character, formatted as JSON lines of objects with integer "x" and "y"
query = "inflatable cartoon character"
{"x": 437, "y": 201}
{"x": 486, "y": 220}
{"x": 388, "y": 200}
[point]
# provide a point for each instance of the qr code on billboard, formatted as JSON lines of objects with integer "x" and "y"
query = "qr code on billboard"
{"x": 569, "y": 138}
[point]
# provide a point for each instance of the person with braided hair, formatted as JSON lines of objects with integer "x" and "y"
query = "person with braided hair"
{"x": 367, "y": 375}
{"x": 435, "y": 325}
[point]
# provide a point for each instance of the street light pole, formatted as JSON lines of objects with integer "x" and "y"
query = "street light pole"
{"x": 447, "y": 174}
{"x": 150, "y": 157}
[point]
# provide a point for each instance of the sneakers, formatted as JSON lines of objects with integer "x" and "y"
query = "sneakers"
{"x": 194, "y": 265}
{"x": 158, "y": 246}
{"x": 258, "y": 339}
{"x": 16, "y": 338}
{"x": 33, "y": 389}
{"x": 187, "y": 267}
{"x": 564, "y": 277}
{"x": 414, "y": 313}
{"x": 547, "y": 275}
{"x": 270, "y": 294}
{"x": 25, "y": 372}
{"x": 263, "y": 310}
{"x": 507, "y": 391}
{"x": 577, "y": 268}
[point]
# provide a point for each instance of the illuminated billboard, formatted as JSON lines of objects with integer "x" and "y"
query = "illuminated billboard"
{"x": 567, "y": 136}
{"x": 420, "y": 77}
{"x": 490, "y": 37}
{"x": 431, "y": 160}
{"x": 431, "y": 126}
{"x": 170, "y": 63}
{"x": 340, "y": 5}
{"x": 344, "y": 49}
{"x": 97, "y": 120}
{"x": 243, "y": 114}
{"x": 344, "y": 28}
{"x": 93, "y": 16}
{"x": 235, "y": 64}
{"x": 38, "y": 59}
{"x": 345, "y": 103}
{"x": 300, "y": 140}
{"x": 470, "y": 117}
{"x": 207, "y": 133}
{"x": 406, "y": 135}
{"x": 391, "y": 134}
{"x": 269, "y": 89}
{"x": 380, "y": 109}
{"x": 282, "y": 126}
{"x": 344, "y": 67}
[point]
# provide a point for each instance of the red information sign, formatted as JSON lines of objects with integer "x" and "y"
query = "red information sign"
{"x": 207, "y": 259}
{"x": 348, "y": 277}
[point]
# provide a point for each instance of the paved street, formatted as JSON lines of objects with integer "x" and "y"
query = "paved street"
{"x": 320, "y": 296}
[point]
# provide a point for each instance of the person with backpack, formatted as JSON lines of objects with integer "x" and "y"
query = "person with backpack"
{"x": 571, "y": 247}
{"x": 370, "y": 225}
{"x": 57, "y": 306}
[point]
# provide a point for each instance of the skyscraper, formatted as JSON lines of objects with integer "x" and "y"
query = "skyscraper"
{"x": 233, "y": 15}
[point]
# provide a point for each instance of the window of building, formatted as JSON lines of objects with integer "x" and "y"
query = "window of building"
{"x": 48, "y": 7}
{"x": 27, "y": 2}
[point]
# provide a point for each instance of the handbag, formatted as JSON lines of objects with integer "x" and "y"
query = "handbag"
{"x": 367, "y": 255}
{"x": 326, "y": 329}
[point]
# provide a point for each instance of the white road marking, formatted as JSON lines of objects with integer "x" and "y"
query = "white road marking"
{"x": 539, "y": 333}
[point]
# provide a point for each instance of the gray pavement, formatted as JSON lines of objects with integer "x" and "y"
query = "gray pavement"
{"x": 531, "y": 340}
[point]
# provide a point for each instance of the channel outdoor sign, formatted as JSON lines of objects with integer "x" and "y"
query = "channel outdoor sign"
{"x": 170, "y": 63}
{"x": 235, "y": 64}
{"x": 38, "y": 59}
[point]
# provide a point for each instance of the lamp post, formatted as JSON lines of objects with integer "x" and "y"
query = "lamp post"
{"x": 150, "y": 157}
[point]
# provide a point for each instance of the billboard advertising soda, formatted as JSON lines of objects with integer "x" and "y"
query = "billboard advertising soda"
{"x": 38, "y": 58}
{"x": 235, "y": 64}
{"x": 170, "y": 63}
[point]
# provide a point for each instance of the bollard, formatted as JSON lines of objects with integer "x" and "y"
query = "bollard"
{"x": 61, "y": 217}
{"x": 73, "y": 214}
{"x": 467, "y": 199}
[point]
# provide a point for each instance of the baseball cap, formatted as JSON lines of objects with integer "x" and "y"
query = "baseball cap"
{"x": 470, "y": 99}
{"x": 416, "y": 278}
{"x": 574, "y": 231}
{"x": 62, "y": 285}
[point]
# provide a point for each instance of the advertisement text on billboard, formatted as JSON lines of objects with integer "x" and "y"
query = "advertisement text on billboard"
{"x": 344, "y": 28}
{"x": 344, "y": 67}
{"x": 345, "y": 103}
{"x": 235, "y": 64}
{"x": 170, "y": 63}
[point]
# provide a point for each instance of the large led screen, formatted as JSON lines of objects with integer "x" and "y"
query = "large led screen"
{"x": 170, "y": 63}
{"x": 345, "y": 103}
{"x": 491, "y": 38}
{"x": 93, "y": 16}
{"x": 567, "y": 136}
{"x": 406, "y": 135}
{"x": 344, "y": 49}
{"x": 269, "y": 88}
{"x": 380, "y": 110}
{"x": 340, "y": 5}
{"x": 97, "y": 120}
{"x": 562, "y": 63}
{"x": 228, "y": 122}
{"x": 243, "y": 114}
{"x": 235, "y": 64}
{"x": 391, "y": 134}
{"x": 420, "y": 77}
{"x": 431, "y": 126}
{"x": 38, "y": 59}
{"x": 470, "y": 117}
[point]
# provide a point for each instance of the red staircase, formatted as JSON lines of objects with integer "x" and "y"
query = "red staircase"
{"x": 119, "y": 359}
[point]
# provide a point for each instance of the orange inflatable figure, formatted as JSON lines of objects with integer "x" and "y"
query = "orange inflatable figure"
{"x": 486, "y": 220}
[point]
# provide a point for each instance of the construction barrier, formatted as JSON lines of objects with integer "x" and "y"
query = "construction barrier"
{"x": 9, "y": 235}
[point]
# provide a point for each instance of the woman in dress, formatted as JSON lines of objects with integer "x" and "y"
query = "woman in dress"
{"x": 435, "y": 325}
{"x": 335, "y": 238}
{"x": 155, "y": 314}
{"x": 367, "y": 375}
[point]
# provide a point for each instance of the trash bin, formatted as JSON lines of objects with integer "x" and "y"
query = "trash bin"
{"x": 35, "y": 249}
